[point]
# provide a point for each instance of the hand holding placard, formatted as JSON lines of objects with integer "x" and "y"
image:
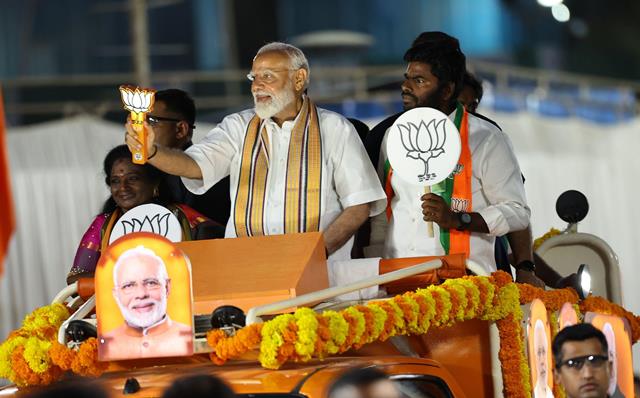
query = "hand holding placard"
{"x": 423, "y": 148}
{"x": 138, "y": 101}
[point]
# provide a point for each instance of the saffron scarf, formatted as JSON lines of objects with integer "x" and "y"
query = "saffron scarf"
{"x": 302, "y": 193}
{"x": 455, "y": 189}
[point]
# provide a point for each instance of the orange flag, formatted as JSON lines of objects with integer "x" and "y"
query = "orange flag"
{"x": 7, "y": 218}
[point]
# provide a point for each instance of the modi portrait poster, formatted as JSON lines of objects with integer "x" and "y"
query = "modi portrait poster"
{"x": 143, "y": 299}
{"x": 539, "y": 350}
{"x": 617, "y": 332}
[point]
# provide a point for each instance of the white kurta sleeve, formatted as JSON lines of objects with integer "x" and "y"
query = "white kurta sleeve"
{"x": 503, "y": 187}
{"x": 214, "y": 153}
{"x": 356, "y": 181}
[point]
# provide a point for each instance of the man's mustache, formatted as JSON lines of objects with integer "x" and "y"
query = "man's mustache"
{"x": 262, "y": 94}
{"x": 410, "y": 96}
{"x": 143, "y": 303}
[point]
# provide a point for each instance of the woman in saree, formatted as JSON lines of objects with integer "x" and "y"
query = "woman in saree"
{"x": 132, "y": 185}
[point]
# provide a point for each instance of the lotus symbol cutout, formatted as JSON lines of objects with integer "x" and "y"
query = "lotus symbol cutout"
{"x": 424, "y": 142}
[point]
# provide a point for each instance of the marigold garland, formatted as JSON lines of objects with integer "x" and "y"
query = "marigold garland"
{"x": 494, "y": 298}
{"x": 601, "y": 305}
{"x": 31, "y": 355}
{"x": 24, "y": 356}
{"x": 552, "y": 299}
{"x": 225, "y": 347}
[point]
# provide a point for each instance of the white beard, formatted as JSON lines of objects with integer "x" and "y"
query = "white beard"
{"x": 278, "y": 102}
{"x": 148, "y": 319}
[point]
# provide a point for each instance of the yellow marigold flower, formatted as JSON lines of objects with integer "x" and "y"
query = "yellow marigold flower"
{"x": 36, "y": 353}
{"x": 45, "y": 319}
{"x": 442, "y": 305}
{"x": 339, "y": 328}
{"x": 430, "y": 313}
{"x": 360, "y": 323}
{"x": 6, "y": 349}
{"x": 272, "y": 340}
{"x": 399, "y": 324}
{"x": 460, "y": 295}
{"x": 379, "y": 318}
{"x": 307, "y": 332}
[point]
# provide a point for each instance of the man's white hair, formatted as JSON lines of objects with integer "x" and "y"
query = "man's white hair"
{"x": 296, "y": 57}
{"x": 136, "y": 252}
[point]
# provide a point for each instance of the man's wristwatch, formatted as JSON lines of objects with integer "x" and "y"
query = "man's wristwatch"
{"x": 526, "y": 265}
{"x": 464, "y": 219}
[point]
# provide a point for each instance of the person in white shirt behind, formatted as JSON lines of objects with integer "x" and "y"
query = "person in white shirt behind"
{"x": 484, "y": 198}
{"x": 294, "y": 167}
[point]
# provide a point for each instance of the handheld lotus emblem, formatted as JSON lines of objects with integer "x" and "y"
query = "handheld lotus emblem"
{"x": 136, "y": 99}
{"x": 158, "y": 224}
{"x": 424, "y": 142}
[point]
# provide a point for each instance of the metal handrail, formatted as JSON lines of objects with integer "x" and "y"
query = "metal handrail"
{"x": 65, "y": 293}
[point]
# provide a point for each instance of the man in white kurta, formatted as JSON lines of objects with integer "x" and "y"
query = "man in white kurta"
{"x": 497, "y": 194}
{"x": 433, "y": 79}
{"x": 349, "y": 189}
{"x": 348, "y": 178}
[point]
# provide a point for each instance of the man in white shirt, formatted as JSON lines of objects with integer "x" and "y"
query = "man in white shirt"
{"x": 495, "y": 203}
{"x": 293, "y": 167}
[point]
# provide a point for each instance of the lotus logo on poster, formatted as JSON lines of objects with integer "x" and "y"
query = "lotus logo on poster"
{"x": 158, "y": 224}
{"x": 424, "y": 142}
{"x": 149, "y": 217}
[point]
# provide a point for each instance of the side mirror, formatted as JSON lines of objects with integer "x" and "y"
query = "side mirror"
{"x": 227, "y": 317}
{"x": 79, "y": 331}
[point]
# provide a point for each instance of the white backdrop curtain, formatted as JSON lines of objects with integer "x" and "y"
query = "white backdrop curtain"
{"x": 58, "y": 187}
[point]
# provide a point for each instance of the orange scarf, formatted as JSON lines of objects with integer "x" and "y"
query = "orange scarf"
{"x": 304, "y": 176}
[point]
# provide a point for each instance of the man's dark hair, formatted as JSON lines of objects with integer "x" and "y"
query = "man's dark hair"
{"x": 179, "y": 102}
{"x": 359, "y": 377}
{"x": 198, "y": 386}
{"x": 442, "y": 52}
{"x": 475, "y": 84}
{"x": 435, "y": 37}
{"x": 579, "y": 332}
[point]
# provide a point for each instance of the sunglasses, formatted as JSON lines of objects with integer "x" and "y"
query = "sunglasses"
{"x": 594, "y": 362}
{"x": 157, "y": 119}
{"x": 154, "y": 120}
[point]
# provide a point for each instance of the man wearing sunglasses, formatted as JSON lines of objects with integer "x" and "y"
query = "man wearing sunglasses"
{"x": 173, "y": 121}
{"x": 583, "y": 367}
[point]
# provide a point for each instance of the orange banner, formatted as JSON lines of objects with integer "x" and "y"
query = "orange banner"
{"x": 7, "y": 218}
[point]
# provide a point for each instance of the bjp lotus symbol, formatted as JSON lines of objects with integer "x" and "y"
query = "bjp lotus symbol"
{"x": 158, "y": 224}
{"x": 424, "y": 142}
{"x": 138, "y": 101}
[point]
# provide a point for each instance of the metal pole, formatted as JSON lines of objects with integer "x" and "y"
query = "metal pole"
{"x": 140, "y": 38}
{"x": 232, "y": 87}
